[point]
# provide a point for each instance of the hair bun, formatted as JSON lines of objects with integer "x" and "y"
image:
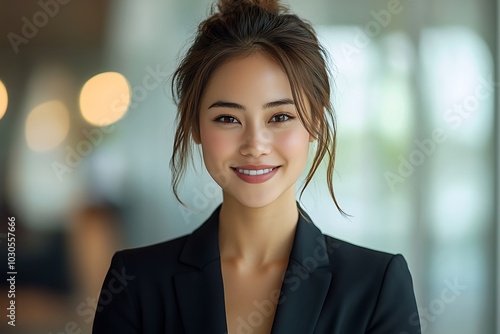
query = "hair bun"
{"x": 272, "y": 6}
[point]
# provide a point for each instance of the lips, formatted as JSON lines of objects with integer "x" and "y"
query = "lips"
{"x": 254, "y": 167}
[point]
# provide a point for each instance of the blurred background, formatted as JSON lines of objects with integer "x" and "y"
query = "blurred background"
{"x": 87, "y": 123}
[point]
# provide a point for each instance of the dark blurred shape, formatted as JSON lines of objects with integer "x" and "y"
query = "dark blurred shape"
{"x": 81, "y": 26}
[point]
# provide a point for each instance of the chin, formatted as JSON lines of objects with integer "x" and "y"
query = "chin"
{"x": 255, "y": 201}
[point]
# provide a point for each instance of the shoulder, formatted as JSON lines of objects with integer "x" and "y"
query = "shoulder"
{"x": 343, "y": 258}
{"x": 361, "y": 263}
{"x": 169, "y": 248}
{"x": 178, "y": 255}
{"x": 159, "y": 258}
{"x": 376, "y": 287}
{"x": 340, "y": 250}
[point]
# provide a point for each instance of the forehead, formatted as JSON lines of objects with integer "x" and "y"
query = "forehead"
{"x": 250, "y": 77}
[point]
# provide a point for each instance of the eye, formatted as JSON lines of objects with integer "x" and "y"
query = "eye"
{"x": 281, "y": 118}
{"x": 226, "y": 119}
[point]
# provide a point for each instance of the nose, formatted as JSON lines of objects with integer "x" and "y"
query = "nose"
{"x": 256, "y": 141}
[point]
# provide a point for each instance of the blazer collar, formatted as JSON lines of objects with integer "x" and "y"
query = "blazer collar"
{"x": 202, "y": 246}
{"x": 201, "y": 292}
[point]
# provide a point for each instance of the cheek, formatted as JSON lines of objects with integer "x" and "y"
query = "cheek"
{"x": 293, "y": 143}
{"x": 216, "y": 145}
{"x": 218, "y": 148}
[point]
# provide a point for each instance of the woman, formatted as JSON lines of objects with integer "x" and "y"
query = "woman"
{"x": 253, "y": 92}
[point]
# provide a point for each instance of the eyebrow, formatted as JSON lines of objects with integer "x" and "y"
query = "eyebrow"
{"x": 268, "y": 105}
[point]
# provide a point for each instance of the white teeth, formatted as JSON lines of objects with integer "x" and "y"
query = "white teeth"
{"x": 255, "y": 171}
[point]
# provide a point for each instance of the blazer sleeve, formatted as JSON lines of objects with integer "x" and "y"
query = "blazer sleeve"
{"x": 396, "y": 309}
{"x": 115, "y": 311}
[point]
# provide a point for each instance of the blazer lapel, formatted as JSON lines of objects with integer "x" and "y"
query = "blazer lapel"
{"x": 200, "y": 292}
{"x": 306, "y": 282}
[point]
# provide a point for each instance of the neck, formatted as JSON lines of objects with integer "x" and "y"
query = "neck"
{"x": 257, "y": 236}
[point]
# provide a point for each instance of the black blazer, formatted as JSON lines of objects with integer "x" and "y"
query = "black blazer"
{"x": 330, "y": 286}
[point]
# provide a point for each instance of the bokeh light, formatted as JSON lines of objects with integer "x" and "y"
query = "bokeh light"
{"x": 4, "y": 99}
{"x": 47, "y": 126}
{"x": 105, "y": 98}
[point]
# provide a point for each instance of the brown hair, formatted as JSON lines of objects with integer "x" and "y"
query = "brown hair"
{"x": 241, "y": 27}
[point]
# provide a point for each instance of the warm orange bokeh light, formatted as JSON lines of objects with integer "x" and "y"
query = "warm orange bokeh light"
{"x": 47, "y": 126}
{"x": 4, "y": 99}
{"x": 105, "y": 98}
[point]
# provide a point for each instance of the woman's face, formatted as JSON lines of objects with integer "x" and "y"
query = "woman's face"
{"x": 254, "y": 144}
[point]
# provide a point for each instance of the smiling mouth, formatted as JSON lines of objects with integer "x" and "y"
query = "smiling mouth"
{"x": 255, "y": 173}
